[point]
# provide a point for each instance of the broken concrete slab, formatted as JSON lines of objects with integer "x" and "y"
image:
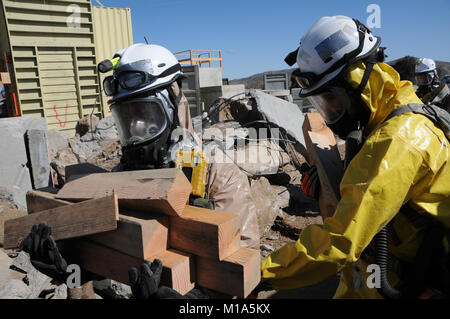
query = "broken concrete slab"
{"x": 23, "y": 262}
{"x": 105, "y": 130}
{"x": 39, "y": 158}
{"x": 6, "y": 273}
{"x": 284, "y": 114}
{"x": 37, "y": 282}
{"x": 91, "y": 143}
{"x": 56, "y": 292}
{"x": 63, "y": 158}
{"x": 14, "y": 289}
{"x": 13, "y": 163}
{"x": 56, "y": 141}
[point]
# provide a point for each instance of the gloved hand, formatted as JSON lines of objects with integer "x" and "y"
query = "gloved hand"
{"x": 146, "y": 284}
{"x": 310, "y": 182}
{"x": 44, "y": 253}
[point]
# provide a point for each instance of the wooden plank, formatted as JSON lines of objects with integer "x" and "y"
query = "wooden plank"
{"x": 76, "y": 220}
{"x": 323, "y": 152}
{"x": 38, "y": 201}
{"x": 158, "y": 191}
{"x": 237, "y": 275}
{"x": 205, "y": 232}
{"x": 178, "y": 267}
{"x": 137, "y": 234}
{"x": 178, "y": 270}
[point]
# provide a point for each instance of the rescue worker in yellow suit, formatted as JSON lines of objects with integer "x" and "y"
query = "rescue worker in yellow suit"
{"x": 404, "y": 161}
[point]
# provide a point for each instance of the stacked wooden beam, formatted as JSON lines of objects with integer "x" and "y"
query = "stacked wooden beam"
{"x": 323, "y": 152}
{"x": 110, "y": 222}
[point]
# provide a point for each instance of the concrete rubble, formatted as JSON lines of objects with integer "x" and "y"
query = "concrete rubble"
{"x": 99, "y": 146}
{"x": 20, "y": 280}
{"x": 15, "y": 174}
{"x": 282, "y": 208}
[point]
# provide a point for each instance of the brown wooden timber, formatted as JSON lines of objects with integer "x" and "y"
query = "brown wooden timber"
{"x": 137, "y": 234}
{"x": 177, "y": 270}
{"x": 323, "y": 153}
{"x": 237, "y": 275}
{"x": 160, "y": 190}
{"x": 205, "y": 232}
{"x": 81, "y": 219}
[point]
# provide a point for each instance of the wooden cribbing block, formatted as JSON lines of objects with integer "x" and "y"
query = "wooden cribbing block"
{"x": 81, "y": 219}
{"x": 205, "y": 232}
{"x": 38, "y": 201}
{"x": 137, "y": 233}
{"x": 323, "y": 152}
{"x": 160, "y": 190}
{"x": 178, "y": 268}
{"x": 237, "y": 275}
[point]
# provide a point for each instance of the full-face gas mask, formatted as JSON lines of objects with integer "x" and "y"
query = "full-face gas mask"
{"x": 426, "y": 82}
{"x": 144, "y": 124}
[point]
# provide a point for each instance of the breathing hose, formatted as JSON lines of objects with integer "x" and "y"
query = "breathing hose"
{"x": 381, "y": 257}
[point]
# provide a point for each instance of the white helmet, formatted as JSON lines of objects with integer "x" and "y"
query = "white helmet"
{"x": 142, "y": 68}
{"x": 425, "y": 65}
{"x": 332, "y": 44}
{"x": 426, "y": 73}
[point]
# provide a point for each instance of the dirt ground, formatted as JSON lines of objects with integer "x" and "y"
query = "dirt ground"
{"x": 7, "y": 211}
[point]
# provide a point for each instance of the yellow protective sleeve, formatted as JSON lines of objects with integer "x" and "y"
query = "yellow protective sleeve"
{"x": 377, "y": 182}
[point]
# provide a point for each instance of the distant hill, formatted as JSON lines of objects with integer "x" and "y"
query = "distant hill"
{"x": 404, "y": 66}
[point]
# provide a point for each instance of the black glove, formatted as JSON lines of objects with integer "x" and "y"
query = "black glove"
{"x": 44, "y": 253}
{"x": 146, "y": 284}
{"x": 310, "y": 182}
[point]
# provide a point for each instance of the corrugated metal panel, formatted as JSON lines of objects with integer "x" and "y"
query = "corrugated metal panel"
{"x": 113, "y": 32}
{"x": 276, "y": 81}
{"x": 54, "y": 59}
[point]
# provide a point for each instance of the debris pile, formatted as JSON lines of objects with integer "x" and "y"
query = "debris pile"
{"x": 260, "y": 133}
{"x": 265, "y": 139}
{"x": 109, "y": 222}
{"x": 96, "y": 142}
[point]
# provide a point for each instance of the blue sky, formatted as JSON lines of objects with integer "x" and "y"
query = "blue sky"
{"x": 255, "y": 36}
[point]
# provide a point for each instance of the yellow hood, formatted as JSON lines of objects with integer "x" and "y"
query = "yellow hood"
{"x": 384, "y": 91}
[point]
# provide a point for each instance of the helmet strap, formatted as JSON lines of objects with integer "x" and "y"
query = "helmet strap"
{"x": 370, "y": 61}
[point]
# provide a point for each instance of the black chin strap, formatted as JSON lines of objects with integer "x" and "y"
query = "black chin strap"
{"x": 377, "y": 56}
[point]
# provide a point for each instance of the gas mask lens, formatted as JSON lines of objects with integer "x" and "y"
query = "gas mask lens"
{"x": 424, "y": 78}
{"x": 139, "y": 120}
{"x": 331, "y": 104}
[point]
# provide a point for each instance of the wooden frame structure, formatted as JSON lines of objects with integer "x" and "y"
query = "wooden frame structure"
{"x": 193, "y": 57}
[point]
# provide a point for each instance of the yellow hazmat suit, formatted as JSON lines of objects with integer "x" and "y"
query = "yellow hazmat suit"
{"x": 405, "y": 159}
